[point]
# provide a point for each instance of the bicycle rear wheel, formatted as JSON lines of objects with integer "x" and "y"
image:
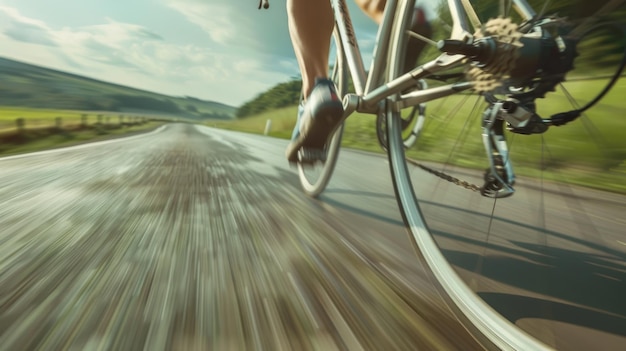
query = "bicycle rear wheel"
{"x": 486, "y": 325}
{"x": 314, "y": 178}
{"x": 472, "y": 243}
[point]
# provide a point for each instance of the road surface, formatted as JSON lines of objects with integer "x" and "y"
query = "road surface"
{"x": 191, "y": 238}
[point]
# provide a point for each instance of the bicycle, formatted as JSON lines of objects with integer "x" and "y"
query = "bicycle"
{"x": 510, "y": 62}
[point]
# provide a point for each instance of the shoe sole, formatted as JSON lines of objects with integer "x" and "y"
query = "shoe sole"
{"x": 311, "y": 135}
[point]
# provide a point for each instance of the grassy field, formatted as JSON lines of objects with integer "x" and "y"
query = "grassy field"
{"x": 590, "y": 151}
{"x": 38, "y": 118}
{"x": 41, "y": 132}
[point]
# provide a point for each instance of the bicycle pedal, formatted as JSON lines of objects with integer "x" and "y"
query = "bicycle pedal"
{"x": 311, "y": 156}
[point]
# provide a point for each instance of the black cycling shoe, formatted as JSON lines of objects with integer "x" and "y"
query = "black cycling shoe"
{"x": 318, "y": 118}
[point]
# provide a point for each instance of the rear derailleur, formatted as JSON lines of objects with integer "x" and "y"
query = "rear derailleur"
{"x": 499, "y": 177}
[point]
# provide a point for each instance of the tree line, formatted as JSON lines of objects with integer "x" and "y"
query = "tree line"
{"x": 281, "y": 95}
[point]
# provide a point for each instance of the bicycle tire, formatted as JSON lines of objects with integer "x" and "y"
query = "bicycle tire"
{"x": 491, "y": 329}
{"x": 314, "y": 184}
{"x": 412, "y": 126}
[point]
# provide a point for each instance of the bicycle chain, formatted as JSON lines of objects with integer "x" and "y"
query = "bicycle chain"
{"x": 447, "y": 177}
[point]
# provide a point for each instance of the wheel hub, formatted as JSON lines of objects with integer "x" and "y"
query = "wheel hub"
{"x": 523, "y": 65}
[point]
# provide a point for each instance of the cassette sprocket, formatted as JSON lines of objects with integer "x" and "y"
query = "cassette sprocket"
{"x": 488, "y": 76}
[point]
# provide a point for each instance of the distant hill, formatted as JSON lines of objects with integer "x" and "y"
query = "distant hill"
{"x": 28, "y": 85}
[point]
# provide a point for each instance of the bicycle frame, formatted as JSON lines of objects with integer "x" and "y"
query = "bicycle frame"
{"x": 370, "y": 88}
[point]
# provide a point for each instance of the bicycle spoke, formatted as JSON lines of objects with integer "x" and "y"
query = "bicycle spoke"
{"x": 464, "y": 133}
{"x": 590, "y": 21}
{"x": 569, "y": 96}
{"x": 544, "y": 9}
{"x": 593, "y": 131}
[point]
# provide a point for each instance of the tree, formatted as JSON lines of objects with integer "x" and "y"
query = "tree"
{"x": 281, "y": 95}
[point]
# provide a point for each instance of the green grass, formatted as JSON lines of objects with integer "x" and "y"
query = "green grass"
{"x": 40, "y": 132}
{"x": 37, "y": 118}
{"x": 590, "y": 151}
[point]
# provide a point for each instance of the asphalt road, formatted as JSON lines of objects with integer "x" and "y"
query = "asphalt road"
{"x": 191, "y": 238}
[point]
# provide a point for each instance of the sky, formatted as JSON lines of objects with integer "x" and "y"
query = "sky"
{"x": 221, "y": 50}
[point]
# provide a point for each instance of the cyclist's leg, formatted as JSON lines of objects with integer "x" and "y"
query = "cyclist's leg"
{"x": 373, "y": 8}
{"x": 311, "y": 24}
{"x": 310, "y": 27}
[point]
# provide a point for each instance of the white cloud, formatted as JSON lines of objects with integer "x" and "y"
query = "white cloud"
{"x": 214, "y": 19}
{"x": 20, "y": 28}
{"x": 133, "y": 55}
{"x": 224, "y": 50}
{"x": 239, "y": 25}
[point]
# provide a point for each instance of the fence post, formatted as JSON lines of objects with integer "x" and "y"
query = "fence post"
{"x": 58, "y": 122}
{"x": 121, "y": 119}
{"x": 268, "y": 126}
{"x": 20, "y": 123}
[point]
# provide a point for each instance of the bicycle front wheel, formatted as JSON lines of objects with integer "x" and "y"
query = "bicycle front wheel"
{"x": 315, "y": 178}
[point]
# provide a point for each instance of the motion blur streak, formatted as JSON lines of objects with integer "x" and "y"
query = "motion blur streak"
{"x": 188, "y": 240}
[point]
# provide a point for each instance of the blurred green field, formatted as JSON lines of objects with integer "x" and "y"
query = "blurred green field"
{"x": 41, "y": 132}
{"x": 39, "y": 118}
{"x": 35, "y": 117}
{"x": 590, "y": 151}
